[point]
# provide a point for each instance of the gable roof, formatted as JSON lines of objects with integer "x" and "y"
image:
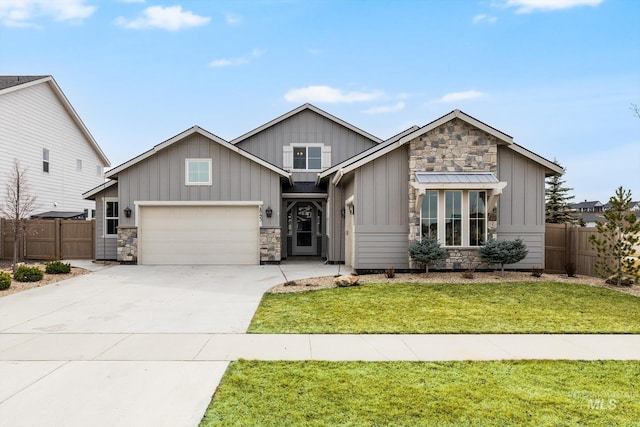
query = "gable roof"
{"x": 113, "y": 173}
{"x": 382, "y": 149}
{"x": 364, "y": 153}
{"x": 299, "y": 110}
{"x": 90, "y": 195}
{"x": 10, "y": 84}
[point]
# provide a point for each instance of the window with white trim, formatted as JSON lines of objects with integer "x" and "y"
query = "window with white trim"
{"x": 477, "y": 218}
{"x": 453, "y": 218}
{"x": 110, "y": 217}
{"x": 197, "y": 172}
{"x": 429, "y": 219}
{"x": 45, "y": 160}
{"x": 457, "y": 218}
{"x": 306, "y": 157}
{"x": 98, "y": 170}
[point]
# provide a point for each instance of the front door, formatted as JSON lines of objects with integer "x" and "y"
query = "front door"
{"x": 304, "y": 233}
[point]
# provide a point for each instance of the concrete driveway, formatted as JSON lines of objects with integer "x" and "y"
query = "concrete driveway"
{"x": 120, "y": 346}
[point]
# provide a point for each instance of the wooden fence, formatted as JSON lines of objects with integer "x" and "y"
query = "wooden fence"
{"x": 566, "y": 244}
{"x": 50, "y": 239}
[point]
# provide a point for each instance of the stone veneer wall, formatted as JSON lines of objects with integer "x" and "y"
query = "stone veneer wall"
{"x": 128, "y": 244}
{"x": 455, "y": 146}
{"x": 270, "y": 245}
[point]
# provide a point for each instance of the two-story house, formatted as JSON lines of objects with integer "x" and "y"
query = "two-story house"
{"x": 40, "y": 128}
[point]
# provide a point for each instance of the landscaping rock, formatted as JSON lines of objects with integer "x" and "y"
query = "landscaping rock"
{"x": 346, "y": 280}
{"x": 626, "y": 280}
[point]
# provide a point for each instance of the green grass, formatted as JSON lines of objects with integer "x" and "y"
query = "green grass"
{"x": 540, "y": 393}
{"x": 536, "y": 307}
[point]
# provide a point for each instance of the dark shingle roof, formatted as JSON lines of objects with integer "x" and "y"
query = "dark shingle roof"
{"x": 9, "y": 81}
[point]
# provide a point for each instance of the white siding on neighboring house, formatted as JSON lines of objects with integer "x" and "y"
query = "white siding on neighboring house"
{"x": 33, "y": 118}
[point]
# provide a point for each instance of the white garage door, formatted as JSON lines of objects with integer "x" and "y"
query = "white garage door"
{"x": 198, "y": 235}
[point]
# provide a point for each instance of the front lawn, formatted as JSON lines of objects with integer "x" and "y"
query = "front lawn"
{"x": 540, "y": 393}
{"x": 531, "y": 307}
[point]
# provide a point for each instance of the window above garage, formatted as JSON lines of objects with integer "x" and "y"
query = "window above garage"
{"x": 197, "y": 172}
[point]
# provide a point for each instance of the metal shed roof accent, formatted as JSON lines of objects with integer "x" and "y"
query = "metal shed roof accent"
{"x": 456, "y": 178}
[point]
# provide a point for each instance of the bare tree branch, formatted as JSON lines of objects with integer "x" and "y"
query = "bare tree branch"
{"x": 18, "y": 204}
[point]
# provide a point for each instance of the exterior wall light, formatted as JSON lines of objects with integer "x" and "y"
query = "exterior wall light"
{"x": 127, "y": 212}
{"x": 269, "y": 212}
{"x": 351, "y": 209}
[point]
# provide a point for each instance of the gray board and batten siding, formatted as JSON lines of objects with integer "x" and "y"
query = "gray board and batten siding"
{"x": 381, "y": 229}
{"x": 161, "y": 177}
{"x": 381, "y": 203}
{"x": 305, "y": 127}
{"x": 521, "y": 205}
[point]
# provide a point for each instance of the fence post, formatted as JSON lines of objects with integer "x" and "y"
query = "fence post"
{"x": 93, "y": 239}
{"x": 58, "y": 237}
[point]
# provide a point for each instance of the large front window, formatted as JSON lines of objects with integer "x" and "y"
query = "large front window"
{"x": 307, "y": 158}
{"x": 455, "y": 217}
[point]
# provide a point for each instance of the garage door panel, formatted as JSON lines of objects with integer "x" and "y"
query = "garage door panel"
{"x": 198, "y": 235}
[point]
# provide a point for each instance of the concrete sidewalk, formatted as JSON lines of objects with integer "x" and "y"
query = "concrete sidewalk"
{"x": 229, "y": 347}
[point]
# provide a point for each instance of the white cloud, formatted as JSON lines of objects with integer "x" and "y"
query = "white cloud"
{"x": 483, "y": 18}
{"x": 20, "y": 13}
{"x": 240, "y": 60}
{"x": 329, "y": 95}
{"x": 131, "y": 1}
{"x": 170, "y": 18}
{"x": 528, "y": 6}
{"x": 313, "y": 51}
{"x": 381, "y": 109}
{"x": 461, "y": 96}
{"x": 233, "y": 19}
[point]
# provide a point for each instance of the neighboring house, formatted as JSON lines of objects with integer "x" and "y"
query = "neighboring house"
{"x": 310, "y": 184}
{"x": 589, "y": 219}
{"x": 40, "y": 128}
{"x": 586, "y": 206}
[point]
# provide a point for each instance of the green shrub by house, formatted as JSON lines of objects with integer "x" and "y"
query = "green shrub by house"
{"x": 5, "y": 281}
{"x": 426, "y": 250}
{"x": 57, "y": 267}
{"x": 503, "y": 252}
{"x": 28, "y": 274}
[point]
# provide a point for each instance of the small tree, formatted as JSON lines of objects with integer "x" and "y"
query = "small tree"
{"x": 18, "y": 204}
{"x": 426, "y": 250}
{"x": 615, "y": 239}
{"x": 503, "y": 252}
{"x": 557, "y": 207}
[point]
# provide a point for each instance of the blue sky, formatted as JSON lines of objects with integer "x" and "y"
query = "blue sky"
{"x": 557, "y": 75}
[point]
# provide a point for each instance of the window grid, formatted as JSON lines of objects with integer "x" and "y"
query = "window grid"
{"x": 111, "y": 218}
{"x": 307, "y": 158}
{"x": 45, "y": 160}
{"x": 477, "y": 218}
{"x": 429, "y": 215}
{"x": 198, "y": 172}
{"x": 453, "y": 218}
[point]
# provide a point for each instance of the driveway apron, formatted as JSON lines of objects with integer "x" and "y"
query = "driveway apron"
{"x": 153, "y": 321}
